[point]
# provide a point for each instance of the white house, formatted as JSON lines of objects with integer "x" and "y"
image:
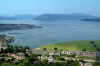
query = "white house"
{"x": 67, "y": 52}
{"x": 51, "y": 53}
{"x": 50, "y": 59}
{"x": 3, "y": 44}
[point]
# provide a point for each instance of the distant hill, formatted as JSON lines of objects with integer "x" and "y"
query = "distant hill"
{"x": 76, "y": 16}
{"x": 17, "y": 17}
{"x": 50, "y": 17}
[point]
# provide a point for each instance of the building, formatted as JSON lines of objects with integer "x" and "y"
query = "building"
{"x": 3, "y": 44}
{"x": 4, "y": 41}
{"x": 50, "y": 59}
{"x": 67, "y": 52}
{"x": 18, "y": 56}
{"x": 90, "y": 54}
{"x": 86, "y": 64}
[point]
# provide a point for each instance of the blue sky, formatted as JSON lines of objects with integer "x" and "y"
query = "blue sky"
{"x": 13, "y": 7}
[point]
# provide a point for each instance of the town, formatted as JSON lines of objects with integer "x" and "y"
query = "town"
{"x": 24, "y": 56}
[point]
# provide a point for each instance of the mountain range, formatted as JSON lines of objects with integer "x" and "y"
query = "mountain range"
{"x": 50, "y": 17}
{"x": 75, "y": 16}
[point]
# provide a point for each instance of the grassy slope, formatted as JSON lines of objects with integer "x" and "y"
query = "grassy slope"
{"x": 73, "y": 45}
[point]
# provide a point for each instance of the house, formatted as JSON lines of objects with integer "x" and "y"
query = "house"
{"x": 51, "y": 53}
{"x": 90, "y": 54}
{"x": 12, "y": 55}
{"x": 44, "y": 57}
{"x": 37, "y": 51}
{"x": 67, "y": 52}
{"x": 45, "y": 52}
{"x": 50, "y": 59}
{"x": 18, "y": 56}
{"x": 88, "y": 64}
{"x": 54, "y": 53}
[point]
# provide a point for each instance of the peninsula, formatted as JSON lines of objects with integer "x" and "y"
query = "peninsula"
{"x": 6, "y": 27}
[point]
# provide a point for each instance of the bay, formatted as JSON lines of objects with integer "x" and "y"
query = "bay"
{"x": 53, "y": 32}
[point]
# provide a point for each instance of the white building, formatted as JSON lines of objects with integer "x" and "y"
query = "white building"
{"x": 67, "y": 52}
{"x": 50, "y": 59}
{"x": 4, "y": 41}
{"x": 3, "y": 44}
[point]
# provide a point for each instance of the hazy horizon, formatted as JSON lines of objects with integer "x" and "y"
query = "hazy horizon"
{"x": 37, "y": 7}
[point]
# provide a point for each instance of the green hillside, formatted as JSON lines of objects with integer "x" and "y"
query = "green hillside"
{"x": 73, "y": 45}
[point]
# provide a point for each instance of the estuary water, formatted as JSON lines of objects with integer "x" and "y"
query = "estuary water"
{"x": 53, "y": 32}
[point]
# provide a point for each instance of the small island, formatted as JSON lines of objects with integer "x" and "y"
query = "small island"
{"x": 95, "y": 20}
{"x": 6, "y": 27}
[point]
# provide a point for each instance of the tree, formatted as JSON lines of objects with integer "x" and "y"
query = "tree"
{"x": 92, "y": 42}
{"x": 96, "y": 64}
{"x": 77, "y": 63}
{"x": 83, "y": 62}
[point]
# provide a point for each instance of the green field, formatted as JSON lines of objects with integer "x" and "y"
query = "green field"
{"x": 73, "y": 45}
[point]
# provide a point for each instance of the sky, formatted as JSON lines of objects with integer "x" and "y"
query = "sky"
{"x": 13, "y": 7}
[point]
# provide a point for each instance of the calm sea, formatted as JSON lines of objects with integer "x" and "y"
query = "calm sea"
{"x": 53, "y": 32}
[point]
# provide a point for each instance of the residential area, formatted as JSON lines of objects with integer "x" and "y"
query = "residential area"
{"x": 19, "y": 55}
